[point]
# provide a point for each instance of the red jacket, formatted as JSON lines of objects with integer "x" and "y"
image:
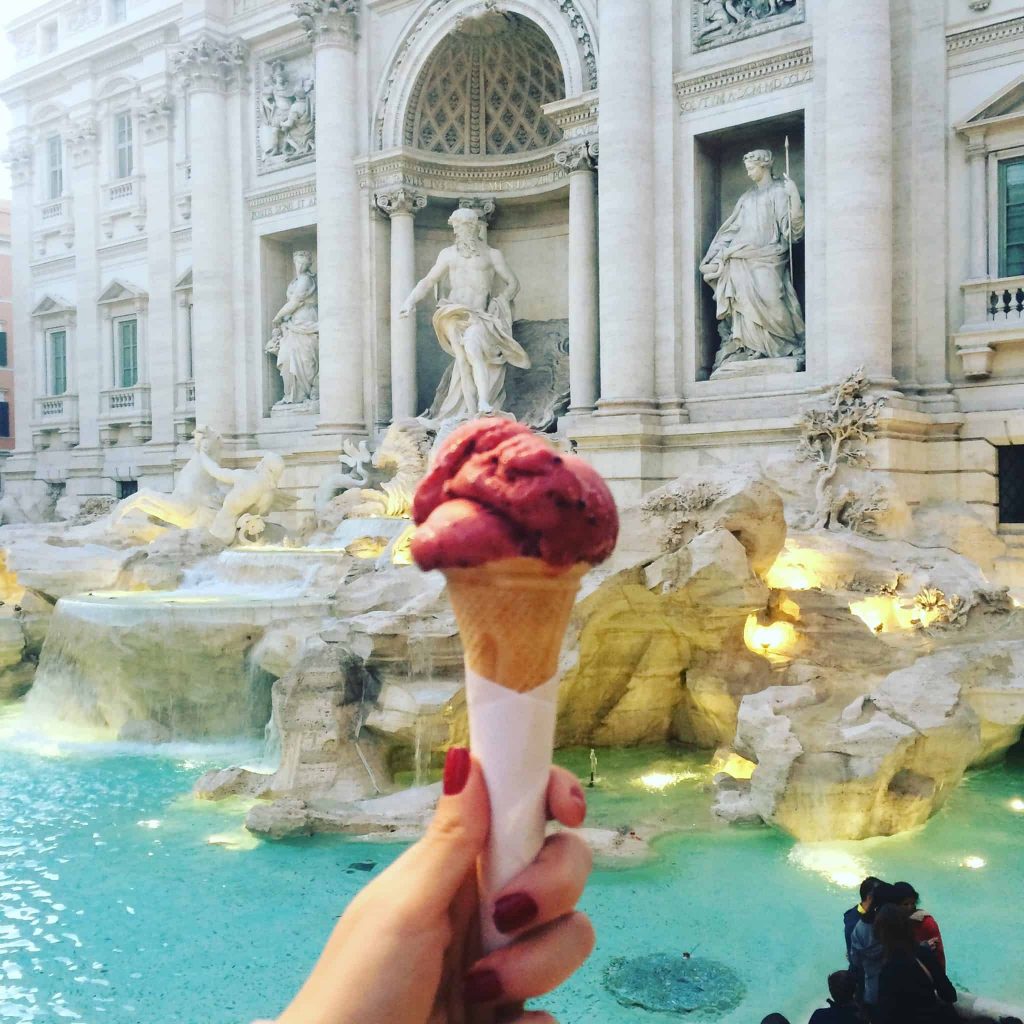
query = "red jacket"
{"x": 925, "y": 929}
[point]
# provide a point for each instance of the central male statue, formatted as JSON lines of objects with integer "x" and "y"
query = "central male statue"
{"x": 747, "y": 265}
{"x": 473, "y": 322}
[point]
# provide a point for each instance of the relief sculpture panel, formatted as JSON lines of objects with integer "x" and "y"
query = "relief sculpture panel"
{"x": 717, "y": 22}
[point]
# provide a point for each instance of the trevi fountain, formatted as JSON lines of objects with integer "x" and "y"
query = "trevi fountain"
{"x": 225, "y": 698}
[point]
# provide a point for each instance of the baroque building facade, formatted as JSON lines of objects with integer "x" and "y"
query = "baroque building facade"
{"x": 188, "y": 175}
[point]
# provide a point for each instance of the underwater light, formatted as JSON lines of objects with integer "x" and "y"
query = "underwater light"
{"x": 836, "y": 866}
{"x": 973, "y": 862}
{"x": 1016, "y": 804}
{"x": 149, "y": 823}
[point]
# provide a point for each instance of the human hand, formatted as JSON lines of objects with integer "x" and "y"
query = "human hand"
{"x": 407, "y": 947}
{"x": 405, "y": 311}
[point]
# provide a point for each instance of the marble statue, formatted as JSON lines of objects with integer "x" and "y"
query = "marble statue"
{"x": 473, "y": 321}
{"x": 720, "y": 18}
{"x": 748, "y": 266}
{"x": 295, "y": 339}
{"x": 191, "y": 502}
{"x": 287, "y": 127}
{"x": 252, "y": 492}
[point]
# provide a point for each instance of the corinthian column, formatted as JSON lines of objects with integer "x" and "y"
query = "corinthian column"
{"x": 207, "y": 68}
{"x": 402, "y": 205}
{"x": 626, "y": 205}
{"x": 331, "y": 27}
{"x": 977, "y": 165}
{"x": 580, "y": 160}
{"x": 859, "y": 190}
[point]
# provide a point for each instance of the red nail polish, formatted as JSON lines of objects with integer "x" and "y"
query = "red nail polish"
{"x": 456, "y": 770}
{"x": 514, "y": 911}
{"x": 482, "y": 986}
{"x": 577, "y": 794}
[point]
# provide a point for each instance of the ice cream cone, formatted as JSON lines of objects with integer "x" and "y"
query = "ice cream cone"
{"x": 512, "y": 617}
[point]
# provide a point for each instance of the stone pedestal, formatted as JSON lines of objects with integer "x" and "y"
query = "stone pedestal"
{"x": 756, "y": 368}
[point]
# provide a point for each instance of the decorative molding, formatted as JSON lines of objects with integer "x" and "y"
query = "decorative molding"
{"x": 155, "y": 112}
{"x": 24, "y": 41}
{"x": 328, "y": 22}
{"x": 285, "y": 113}
{"x": 209, "y": 63}
{"x": 720, "y": 22}
{"x": 19, "y": 158}
{"x": 582, "y": 156}
{"x": 400, "y": 200}
{"x": 52, "y": 269}
{"x": 742, "y": 81}
{"x": 985, "y": 35}
{"x": 575, "y": 117}
{"x": 569, "y": 10}
{"x": 530, "y": 174}
{"x": 83, "y": 14}
{"x": 301, "y": 196}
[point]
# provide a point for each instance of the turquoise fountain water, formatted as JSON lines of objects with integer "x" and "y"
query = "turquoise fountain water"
{"x": 123, "y": 901}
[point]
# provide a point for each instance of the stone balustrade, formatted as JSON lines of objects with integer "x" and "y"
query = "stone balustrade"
{"x": 55, "y": 419}
{"x": 993, "y": 316}
{"x": 126, "y": 407}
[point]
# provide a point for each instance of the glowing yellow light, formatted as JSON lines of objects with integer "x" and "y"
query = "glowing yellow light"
{"x": 657, "y": 781}
{"x": 1016, "y": 804}
{"x": 835, "y": 865}
{"x": 886, "y": 613}
{"x": 149, "y": 823}
{"x": 776, "y": 638}
{"x": 401, "y": 553}
{"x": 240, "y": 839}
{"x": 734, "y": 765}
{"x": 367, "y": 547}
{"x": 797, "y": 569}
{"x": 973, "y": 862}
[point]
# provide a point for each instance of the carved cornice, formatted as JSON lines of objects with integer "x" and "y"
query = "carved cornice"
{"x": 529, "y": 174}
{"x": 19, "y": 158}
{"x": 328, "y": 22}
{"x": 400, "y": 200}
{"x": 985, "y": 35}
{"x": 155, "y": 112}
{"x": 209, "y": 63}
{"x": 575, "y": 117}
{"x": 81, "y": 139}
{"x": 579, "y": 157}
{"x": 742, "y": 81}
{"x": 282, "y": 200}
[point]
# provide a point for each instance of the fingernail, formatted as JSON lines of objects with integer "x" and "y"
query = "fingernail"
{"x": 577, "y": 794}
{"x": 513, "y": 911}
{"x": 456, "y": 771}
{"x": 482, "y": 986}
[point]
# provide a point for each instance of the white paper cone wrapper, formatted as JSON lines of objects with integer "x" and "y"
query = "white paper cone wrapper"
{"x": 512, "y": 736}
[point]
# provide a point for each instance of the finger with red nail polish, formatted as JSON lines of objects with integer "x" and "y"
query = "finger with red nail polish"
{"x": 566, "y": 802}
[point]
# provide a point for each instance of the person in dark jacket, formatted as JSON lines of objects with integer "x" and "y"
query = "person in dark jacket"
{"x": 842, "y": 1006}
{"x": 866, "y": 953}
{"x": 924, "y": 926}
{"x": 775, "y": 1018}
{"x": 912, "y": 986}
{"x": 855, "y": 914}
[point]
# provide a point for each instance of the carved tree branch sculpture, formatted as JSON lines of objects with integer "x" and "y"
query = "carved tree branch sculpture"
{"x": 831, "y": 437}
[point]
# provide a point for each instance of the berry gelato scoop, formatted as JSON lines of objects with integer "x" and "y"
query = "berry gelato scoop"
{"x": 496, "y": 490}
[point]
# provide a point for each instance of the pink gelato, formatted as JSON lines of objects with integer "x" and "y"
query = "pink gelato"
{"x": 497, "y": 490}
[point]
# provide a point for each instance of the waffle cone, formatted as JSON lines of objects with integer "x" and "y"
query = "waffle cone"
{"x": 512, "y": 617}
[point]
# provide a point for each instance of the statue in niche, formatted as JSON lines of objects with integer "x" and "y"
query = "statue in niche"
{"x": 748, "y": 264}
{"x": 295, "y": 338}
{"x": 287, "y": 123}
{"x": 473, "y": 321}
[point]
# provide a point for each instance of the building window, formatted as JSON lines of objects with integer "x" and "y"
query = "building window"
{"x": 3, "y": 347}
{"x": 49, "y": 37}
{"x": 1011, "y": 217}
{"x": 54, "y": 167}
{"x": 127, "y": 346}
{"x": 126, "y": 488}
{"x": 58, "y": 343}
{"x": 123, "y": 144}
{"x": 5, "y": 419}
{"x": 1011, "y": 483}
{"x": 118, "y": 10}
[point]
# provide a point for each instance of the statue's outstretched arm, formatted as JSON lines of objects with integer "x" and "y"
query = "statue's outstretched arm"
{"x": 420, "y": 292}
{"x": 225, "y": 476}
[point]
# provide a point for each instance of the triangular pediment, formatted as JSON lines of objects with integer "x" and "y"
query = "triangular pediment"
{"x": 185, "y": 281}
{"x": 120, "y": 291}
{"x": 49, "y": 304}
{"x": 1007, "y": 103}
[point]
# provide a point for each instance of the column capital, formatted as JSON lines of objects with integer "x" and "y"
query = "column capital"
{"x": 81, "y": 138}
{"x": 155, "y": 112}
{"x": 206, "y": 62}
{"x": 19, "y": 157}
{"x": 484, "y": 208}
{"x": 400, "y": 200}
{"x": 580, "y": 156}
{"x": 976, "y": 141}
{"x": 328, "y": 22}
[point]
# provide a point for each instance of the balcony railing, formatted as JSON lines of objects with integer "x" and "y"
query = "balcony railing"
{"x": 993, "y": 316}
{"x": 125, "y": 405}
{"x": 185, "y": 394}
{"x": 55, "y": 411}
{"x": 124, "y": 191}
